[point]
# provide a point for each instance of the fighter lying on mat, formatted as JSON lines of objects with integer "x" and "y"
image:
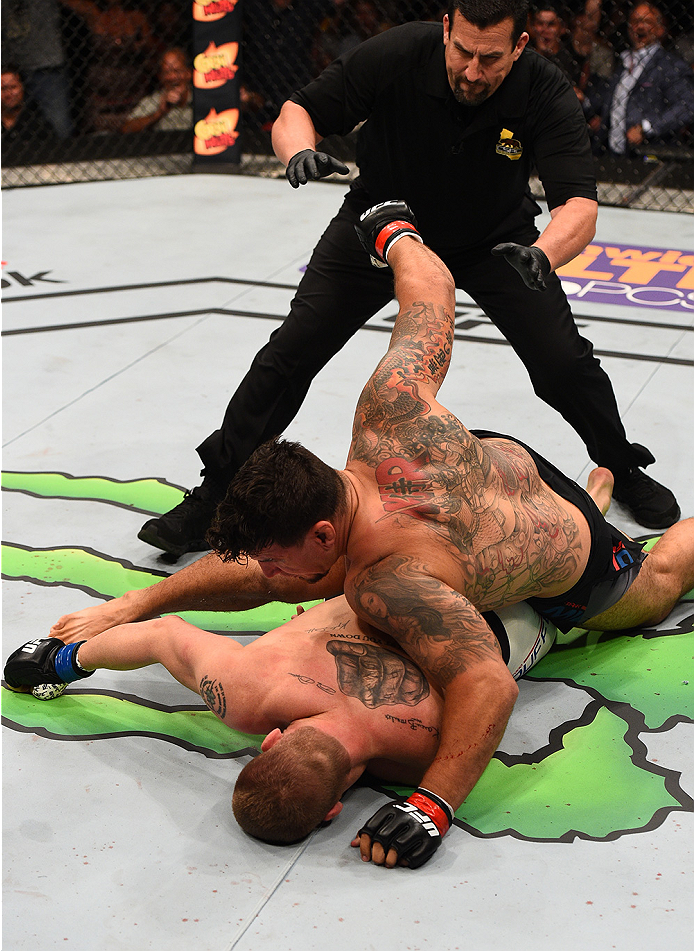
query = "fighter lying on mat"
{"x": 334, "y": 696}
{"x": 436, "y": 524}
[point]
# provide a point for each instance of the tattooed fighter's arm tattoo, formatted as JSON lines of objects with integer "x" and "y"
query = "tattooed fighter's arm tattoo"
{"x": 438, "y": 627}
{"x": 410, "y": 374}
{"x": 445, "y": 634}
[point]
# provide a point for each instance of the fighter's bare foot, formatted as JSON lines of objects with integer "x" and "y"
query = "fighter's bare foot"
{"x": 81, "y": 625}
{"x": 599, "y": 488}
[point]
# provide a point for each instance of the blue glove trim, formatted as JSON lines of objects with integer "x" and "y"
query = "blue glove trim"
{"x": 64, "y": 665}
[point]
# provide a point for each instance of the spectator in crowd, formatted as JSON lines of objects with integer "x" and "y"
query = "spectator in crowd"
{"x": 591, "y": 50}
{"x": 650, "y": 98}
{"x": 351, "y": 24}
{"x": 171, "y": 107}
{"x": 546, "y": 28}
{"x": 31, "y": 40}
{"x": 279, "y": 38}
{"x": 121, "y": 60}
{"x": 171, "y": 23}
{"x": 23, "y": 124}
{"x": 684, "y": 48}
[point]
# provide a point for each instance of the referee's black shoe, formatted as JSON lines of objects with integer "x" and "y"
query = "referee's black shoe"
{"x": 649, "y": 502}
{"x": 183, "y": 529}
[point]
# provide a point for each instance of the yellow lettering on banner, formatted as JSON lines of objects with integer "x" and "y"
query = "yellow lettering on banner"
{"x": 643, "y": 272}
{"x": 578, "y": 267}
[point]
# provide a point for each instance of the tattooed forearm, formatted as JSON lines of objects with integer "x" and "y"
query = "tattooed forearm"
{"x": 438, "y": 627}
{"x": 212, "y": 693}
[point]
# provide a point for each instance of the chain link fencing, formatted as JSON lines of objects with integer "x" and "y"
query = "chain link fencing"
{"x": 102, "y": 89}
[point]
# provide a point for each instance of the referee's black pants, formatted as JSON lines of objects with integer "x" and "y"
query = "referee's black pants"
{"x": 341, "y": 290}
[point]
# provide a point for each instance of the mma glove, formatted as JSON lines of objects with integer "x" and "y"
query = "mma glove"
{"x": 414, "y": 828}
{"x": 45, "y": 660}
{"x": 384, "y": 224}
{"x": 309, "y": 165}
{"x": 531, "y": 263}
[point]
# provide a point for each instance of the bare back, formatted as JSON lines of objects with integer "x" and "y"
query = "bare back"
{"x": 325, "y": 664}
{"x": 472, "y": 513}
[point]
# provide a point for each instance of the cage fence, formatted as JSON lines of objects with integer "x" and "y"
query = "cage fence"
{"x": 104, "y": 89}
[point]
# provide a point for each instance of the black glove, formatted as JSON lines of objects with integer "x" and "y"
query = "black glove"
{"x": 531, "y": 263}
{"x": 380, "y": 226}
{"x": 414, "y": 828}
{"x": 45, "y": 660}
{"x": 309, "y": 166}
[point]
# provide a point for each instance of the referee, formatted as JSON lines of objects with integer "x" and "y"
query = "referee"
{"x": 454, "y": 120}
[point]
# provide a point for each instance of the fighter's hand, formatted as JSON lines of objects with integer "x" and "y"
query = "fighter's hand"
{"x": 309, "y": 166}
{"x": 45, "y": 660}
{"x": 384, "y": 224}
{"x": 531, "y": 263}
{"x": 405, "y": 833}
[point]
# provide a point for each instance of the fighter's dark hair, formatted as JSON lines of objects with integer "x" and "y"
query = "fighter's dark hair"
{"x": 484, "y": 13}
{"x": 275, "y": 498}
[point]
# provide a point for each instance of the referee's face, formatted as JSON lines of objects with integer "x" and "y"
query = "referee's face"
{"x": 478, "y": 60}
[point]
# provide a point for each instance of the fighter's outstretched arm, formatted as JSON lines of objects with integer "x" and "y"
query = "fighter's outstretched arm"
{"x": 209, "y": 584}
{"x": 180, "y": 647}
{"x": 445, "y": 634}
{"x": 405, "y": 382}
{"x": 183, "y": 649}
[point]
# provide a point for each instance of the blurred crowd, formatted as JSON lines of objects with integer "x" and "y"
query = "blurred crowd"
{"x": 88, "y": 67}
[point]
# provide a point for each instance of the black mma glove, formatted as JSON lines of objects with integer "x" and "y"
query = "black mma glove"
{"x": 381, "y": 226}
{"x": 414, "y": 828}
{"x": 45, "y": 660}
{"x": 531, "y": 263}
{"x": 309, "y": 166}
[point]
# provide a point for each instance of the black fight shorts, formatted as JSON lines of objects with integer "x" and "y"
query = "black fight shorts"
{"x": 613, "y": 563}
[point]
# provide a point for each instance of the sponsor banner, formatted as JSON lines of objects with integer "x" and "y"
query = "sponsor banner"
{"x": 631, "y": 274}
{"x": 216, "y": 43}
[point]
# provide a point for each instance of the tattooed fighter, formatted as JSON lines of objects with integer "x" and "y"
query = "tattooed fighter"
{"x": 435, "y": 525}
{"x": 334, "y": 695}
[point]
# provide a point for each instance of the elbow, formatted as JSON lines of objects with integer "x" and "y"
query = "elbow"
{"x": 505, "y": 688}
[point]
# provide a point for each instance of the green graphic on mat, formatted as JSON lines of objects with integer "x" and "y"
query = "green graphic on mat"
{"x": 94, "y": 716}
{"x": 152, "y": 496}
{"x": 592, "y": 780}
{"x": 645, "y": 672}
{"x": 581, "y": 789}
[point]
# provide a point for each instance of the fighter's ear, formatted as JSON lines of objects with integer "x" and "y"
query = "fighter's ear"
{"x": 324, "y": 533}
{"x": 270, "y": 740}
{"x": 335, "y": 811}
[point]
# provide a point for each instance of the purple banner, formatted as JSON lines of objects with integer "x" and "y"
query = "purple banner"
{"x": 631, "y": 274}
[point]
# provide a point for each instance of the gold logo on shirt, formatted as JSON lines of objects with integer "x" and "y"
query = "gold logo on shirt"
{"x": 509, "y": 146}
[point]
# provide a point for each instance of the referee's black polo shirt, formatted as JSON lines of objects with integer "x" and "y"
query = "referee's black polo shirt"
{"x": 464, "y": 171}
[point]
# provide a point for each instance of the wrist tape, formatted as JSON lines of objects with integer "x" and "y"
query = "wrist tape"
{"x": 67, "y": 667}
{"x": 391, "y": 233}
{"x": 435, "y": 807}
